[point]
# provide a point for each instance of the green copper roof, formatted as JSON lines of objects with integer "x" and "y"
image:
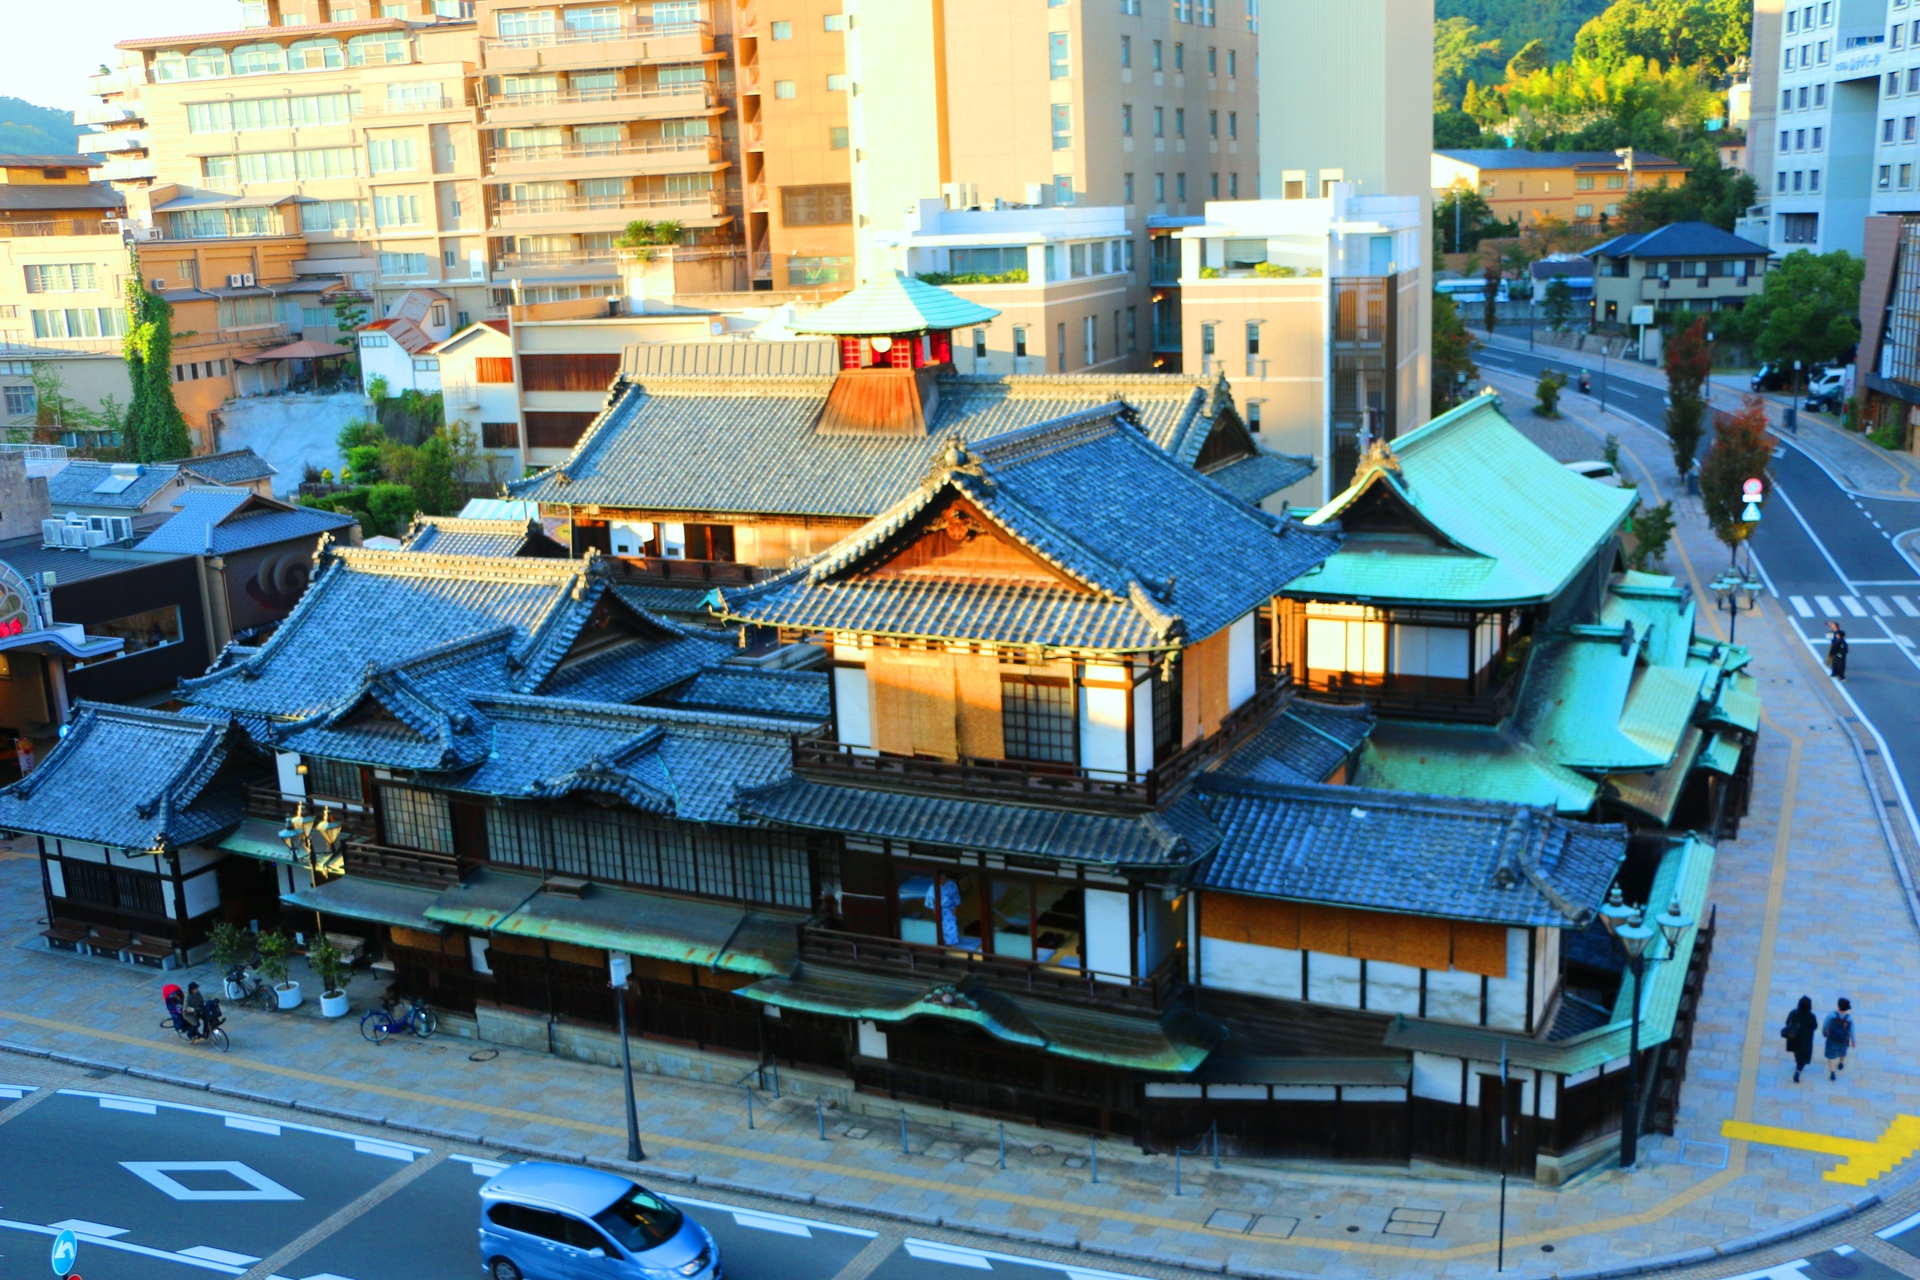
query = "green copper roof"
{"x": 1492, "y": 518}
{"x": 1684, "y": 873}
{"x": 483, "y": 900}
{"x": 1722, "y": 754}
{"x": 1476, "y": 762}
{"x": 260, "y": 838}
{"x": 376, "y": 901}
{"x": 1588, "y": 703}
{"x": 1176, "y": 1041}
{"x": 1658, "y": 609}
{"x": 1738, "y": 703}
{"x": 709, "y": 934}
{"x": 1656, "y": 791}
{"x": 896, "y": 304}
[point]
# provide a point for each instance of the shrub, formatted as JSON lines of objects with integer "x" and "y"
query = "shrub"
{"x": 276, "y": 950}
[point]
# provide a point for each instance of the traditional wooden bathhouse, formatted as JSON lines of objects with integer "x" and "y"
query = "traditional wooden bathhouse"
{"x": 719, "y": 463}
{"x": 1055, "y": 835}
{"x": 1479, "y": 604}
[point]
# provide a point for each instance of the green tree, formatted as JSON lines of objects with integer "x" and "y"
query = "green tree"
{"x": 1711, "y": 34}
{"x": 1455, "y": 130}
{"x": 1689, "y": 364}
{"x": 1652, "y": 532}
{"x": 1559, "y": 303}
{"x": 1547, "y": 392}
{"x": 390, "y": 507}
{"x": 1490, "y": 295}
{"x": 1460, "y": 218}
{"x": 1808, "y": 310}
{"x": 1531, "y": 58}
{"x": 156, "y": 430}
{"x": 1453, "y": 346}
{"x": 1742, "y": 448}
{"x": 1710, "y": 194}
{"x": 1459, "y": 54}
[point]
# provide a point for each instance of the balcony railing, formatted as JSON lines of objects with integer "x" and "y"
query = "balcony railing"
{"x": 701, "y": 89}
{"x": 1145, "y": 995}
{"x": 117, "y": 81}
{"x": 600, "y": 204}
{"x": 691, "y": 572}
{"x": 827, "y": 759}
{"x": 600, "y": 35}
{"x": 508, "y": 156}
{"x": 1477, "y": 703}
{"x": 409, "y": 106}
{"x": 408, "y": 866}
{"x": 554, "y": 258}
{"x": 58, "y": 227}
{"x": 267, "y": 801}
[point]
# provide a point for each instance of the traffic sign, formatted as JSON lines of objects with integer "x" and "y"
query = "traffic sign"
{"x": 1752, "y": 514}
{"x": 66, "y": 1247}
{"x": 1754, "y": 489}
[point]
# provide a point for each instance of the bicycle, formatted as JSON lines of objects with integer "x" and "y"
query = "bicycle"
{"x": 378, "y": 1024}
{"x": 210, "y": 1031}
{"x": 243, "y": 989}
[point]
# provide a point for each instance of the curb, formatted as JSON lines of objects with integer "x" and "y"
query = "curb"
{"x": 1209, "y": 1266}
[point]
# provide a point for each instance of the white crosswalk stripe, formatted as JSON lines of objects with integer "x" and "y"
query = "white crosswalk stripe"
{"x": 1880, "y": 606}
{"x": 1853, "y": 606}
{"x": 1800, "y": 606}
{"x": 1826, "y": 606}
{"x": 1906, "y": 606}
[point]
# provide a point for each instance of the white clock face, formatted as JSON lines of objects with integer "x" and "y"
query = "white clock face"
{"x": 882, "y": 345}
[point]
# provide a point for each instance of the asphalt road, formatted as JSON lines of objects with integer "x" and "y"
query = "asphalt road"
{"x": 1826, "y": 556}
{"x": 166, "y": 1191}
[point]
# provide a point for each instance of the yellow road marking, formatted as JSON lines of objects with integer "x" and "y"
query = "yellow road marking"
{"x": 1865, "y": 1160}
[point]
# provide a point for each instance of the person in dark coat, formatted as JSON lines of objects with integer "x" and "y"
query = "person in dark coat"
{"x": 1838, "y": 1033}
{"x": 1798, "y": 1033}
{"x": 1836, "y": 651}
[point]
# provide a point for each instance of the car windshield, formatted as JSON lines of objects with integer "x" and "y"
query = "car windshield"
{"x": 641, "y": 1221}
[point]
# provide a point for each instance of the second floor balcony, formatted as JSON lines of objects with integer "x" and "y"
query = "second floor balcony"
{"x": 1041, "y": 782}
{"x": 607, "y": 159}
{"x": 608, "y": 213}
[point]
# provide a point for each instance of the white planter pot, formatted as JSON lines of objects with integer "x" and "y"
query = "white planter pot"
{"x": 288, "y": 994}
{"x": 333, "y": 1004}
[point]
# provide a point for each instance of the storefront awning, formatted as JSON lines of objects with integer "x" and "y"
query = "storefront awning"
{"x": 1177, "y": 1040}
{"x": 483, "y": 900}
{"x": 709, "y": 934}
{"x": 363, "y": 898}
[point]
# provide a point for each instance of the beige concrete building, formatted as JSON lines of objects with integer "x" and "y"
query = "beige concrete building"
{"x": 1148, "y": 106}
{"x": 1067, "y": 283}
{"x": 1311, "y": 309}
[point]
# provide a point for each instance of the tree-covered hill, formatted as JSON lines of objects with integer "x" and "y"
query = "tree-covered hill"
{"x": 1516, "y": 23}
{"x": 36, "y": 131}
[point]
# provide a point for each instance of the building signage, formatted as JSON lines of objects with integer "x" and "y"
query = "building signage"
{"x": 1857, "y": 65}
{"x": 19, "y": 604}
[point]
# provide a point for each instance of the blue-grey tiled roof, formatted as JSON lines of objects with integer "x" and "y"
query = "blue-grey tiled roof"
{"x": 1175, "y": 836}
{"x": 1421, "y": 855}
{"x": 235, "y": 466}
{"x": 751, "y": 444}
{"x": 454, "y": 536}
{"x": 126, "y": 777}
{"x": 1679, "y": 240}
{"x": 1262, "y": 475}
{"x": 1149, "y": 554}
{"x": 454, "y": 626}
{"x": 1303, "y": 742}
{"x": 227, "y": 521}
{"x": 77, "y": 484}
{"x": 802, "y": 695}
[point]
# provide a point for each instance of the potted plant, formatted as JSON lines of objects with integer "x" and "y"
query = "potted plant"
{"x": 232, "y": 948}
{"x": 276, "y": 949}
{"x": 331, "y": 968}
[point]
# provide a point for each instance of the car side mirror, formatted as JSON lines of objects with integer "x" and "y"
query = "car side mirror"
{"x": 596, "y": 1253}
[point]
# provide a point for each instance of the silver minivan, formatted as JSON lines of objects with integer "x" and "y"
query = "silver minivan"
{"x": 541, "y": 1221}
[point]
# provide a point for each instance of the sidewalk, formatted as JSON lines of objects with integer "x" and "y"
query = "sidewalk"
{"x": 1856, "y": 464}
{"x": 1808, "y": 903}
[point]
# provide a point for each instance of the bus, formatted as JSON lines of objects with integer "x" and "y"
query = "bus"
{"x": 1470, "y": 289}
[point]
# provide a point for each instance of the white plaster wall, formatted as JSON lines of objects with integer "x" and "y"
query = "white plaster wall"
{"x": 1250, "y": 967}
{"x": 1393, "y": 988}
{"x": 1333, "y": 980}
{"x": 1436, "y": 1076}
{"x": 56, "y": 878}
{"x": 1109, "y": 931}
{"x": 1103, "y": 722}
{"x": 291, "y": 431}
{"x": 1453, "y": 996}
{"x": 201, "y": 894}
{"x": 1143, "y": 723}
{"x": 853, "y": 714}
{"x": 1240, "y": 661}
{"x": 1507, "y": 997}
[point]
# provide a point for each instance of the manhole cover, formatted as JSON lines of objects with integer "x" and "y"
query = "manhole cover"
{"x": 483, "y": 1055}
{"x": 97, "y": 1074}
{"x": 1834, "y": 1264}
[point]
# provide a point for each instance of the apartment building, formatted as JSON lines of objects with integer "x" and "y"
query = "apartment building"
{"x": 1818, "y": 137}
{"x": 1144, "y": 105}
{"x": 62, "y": 273}
{"x": 796, "y": 150}
{"x": 1310, "y": 308}
{"x": 1582, "y": 188}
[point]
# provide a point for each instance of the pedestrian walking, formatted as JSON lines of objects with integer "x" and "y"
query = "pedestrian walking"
{"x": 1798, "y": 1033}
{"x": 1836, "y": 651}
{"x": 1838, "y": 1033}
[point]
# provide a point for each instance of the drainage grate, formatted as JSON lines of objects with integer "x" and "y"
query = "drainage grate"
{"x": 1424, "y": 1223}
{"x": 97, "y": 1074}
{"x": 1229, "y": 1220}
{"x": 1704, "y": 1155}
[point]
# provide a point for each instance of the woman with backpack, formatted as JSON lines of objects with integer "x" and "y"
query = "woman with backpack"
{"x": 1798, "y": 1033}
{"x": 1838, "y": 1033}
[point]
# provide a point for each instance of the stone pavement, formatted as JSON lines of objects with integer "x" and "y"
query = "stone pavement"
{"x": 1808, "y": 903}
{"x": 1855, "y": 463}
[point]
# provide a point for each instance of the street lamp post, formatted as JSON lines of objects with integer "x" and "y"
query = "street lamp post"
{"x": 1625, "y": 926}
{"x": 1726, "y": 592}
{"x": 619, "y": 968}
{"x": 298, "y": 836}
{"x": 1603, "y": 375}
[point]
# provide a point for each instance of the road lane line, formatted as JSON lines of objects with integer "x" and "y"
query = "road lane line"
{"x": 343, "y": 1217}
{"x": 1853, "y": 606}
{"x": 81, "y": 1227}
{"x": 983, "y": 1259}
{"x": 244, "y": 1121}
{"x": 251, "y": 1125}
{"x": 388, "y": 1150}
{"x": 1879, "y": 606}
{"x": 1826, "y": 606}
{"x": 811, "y": 1224}
{"x": 485, "y": 1168}
{"x": 1899, "y": 1228}
{"x": 773, "y": 1224}
{"x": 1906, "y": 606}
{"x": 212, "y": 1254}
{"x": 928, "y": 1252}
{"x": 1799, "y": 604}
{"x": 205, "y": 1264}
{"x": 128, "y": 1104}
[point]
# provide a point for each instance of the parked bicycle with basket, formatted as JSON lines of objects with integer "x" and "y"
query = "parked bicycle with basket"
{"x": 380, "y": 1023}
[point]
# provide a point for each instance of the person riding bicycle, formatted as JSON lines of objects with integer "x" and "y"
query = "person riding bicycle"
{"x": 175, "y": 1000}
{"x": 1586, "y": 384}
{"x": 196, "y": 1013}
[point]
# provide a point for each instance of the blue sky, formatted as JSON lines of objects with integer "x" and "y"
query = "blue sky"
{"x": 51, "y": 46}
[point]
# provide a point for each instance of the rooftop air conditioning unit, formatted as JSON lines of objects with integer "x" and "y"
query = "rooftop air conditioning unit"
{"x": 50, "y": 532}
{"x": 158, "y": 284}
{"x": 246, "y": 280}
{"x": 95, "y": 537}
{"x": 120, "y": 528}
{"x": 73, "y": 535}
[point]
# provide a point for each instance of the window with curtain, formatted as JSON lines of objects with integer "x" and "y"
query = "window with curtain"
{"x": 397, "y": 211}
{"x": 239, "y": 313}
{"x": 169, "y": 65}
{"x": 524, "y": 22}
{"x": 316, "y": 55}
{"x": 259, "y": 59}
{"x": 208, "y": 64}
{"x": 61, "y": 277}
{"x": 403, "y": 264}
{"x": 622, "y": 847}
{"x": 379, "y": 48}
{"x": 333, "y": 215}
{"x": 392, "y": 155}
{"x": 589, "y": 21}
{"x": 415, "y": 819}
{"x": 80, "y": 322}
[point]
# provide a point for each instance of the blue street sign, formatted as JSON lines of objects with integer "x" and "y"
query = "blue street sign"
{"x": 65, "y": 1249}
{"x": 1751, "y": 515}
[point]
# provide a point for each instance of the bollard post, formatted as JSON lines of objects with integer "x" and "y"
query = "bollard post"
{"x": 1003, "y": 1146}
{"x": 749, "y": 1089}
{"x": 776, "y": 1079}
{"x": 1216, "y": 1144}
{"x": 903, "y": 1131}
{"x": 1176, "y": 1173}
{"x": 820, "y": 1114}
{"x": 1093, "y": 1157}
